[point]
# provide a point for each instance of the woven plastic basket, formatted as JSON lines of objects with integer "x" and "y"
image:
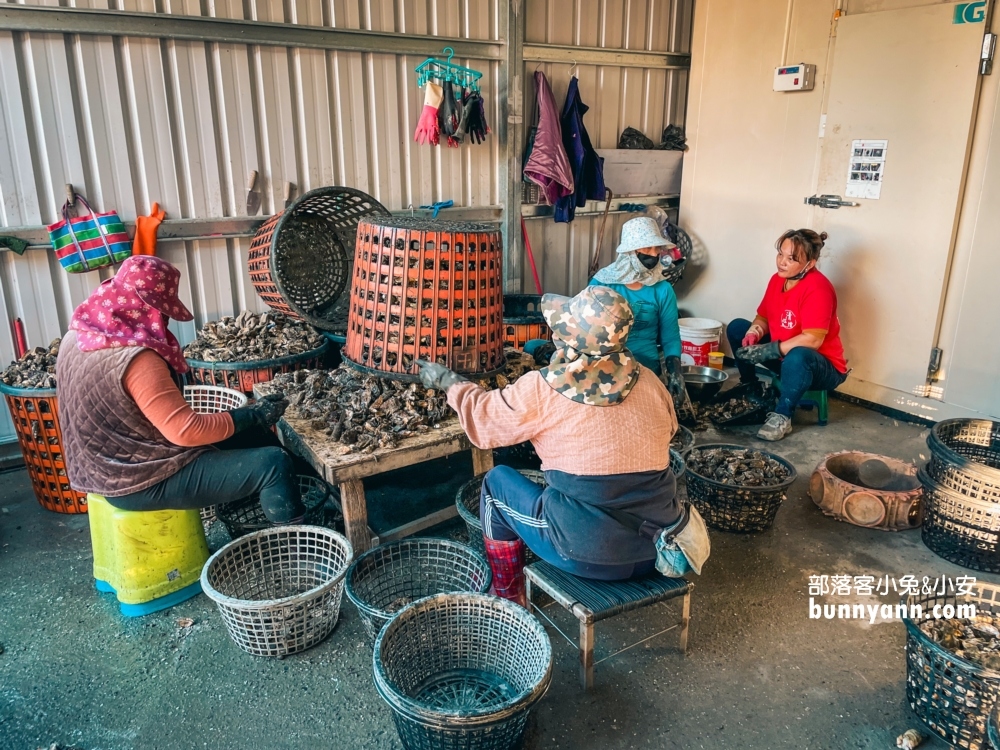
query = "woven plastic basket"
{"x": 242, "y": 376}
{"x": 467, "y": 501}
{"x": 246, "y": 516}
{"x": 279, "y": 590}
{"x": 462, "y": 671}
{"x": 212, "y": 399}
{"x": 733, "y": 508}
{"x": 35, "y": 414}
{"x": 965, "y": 457}
{"x": 301, "y": 259}
{"x": 960, "y": 528}
{"x": 950, "y": 695}
{"x": 683, "y": 441}
{"x": 993, "y": 727}
{"x": 385, "y": 579}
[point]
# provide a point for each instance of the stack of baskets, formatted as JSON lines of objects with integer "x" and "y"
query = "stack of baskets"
{"x": 523, "y": 320}
{"x": 962, "y": 493}
{"x": 35, "y": 414}
{"x": 729, "y": 507}
{"x": 951, "y": 695}
{"x": 247, "y": 516}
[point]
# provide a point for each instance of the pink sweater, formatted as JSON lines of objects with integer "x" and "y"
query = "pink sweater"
{"x": 568, "y": 436}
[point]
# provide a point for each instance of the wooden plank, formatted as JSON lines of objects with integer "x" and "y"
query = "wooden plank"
{"x": 355, "y": 507}
{"x": 482, "y": 460}
{"x": 420, "y": 524}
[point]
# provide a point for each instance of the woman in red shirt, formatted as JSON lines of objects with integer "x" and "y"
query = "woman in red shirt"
{"x": 796, "y": 332}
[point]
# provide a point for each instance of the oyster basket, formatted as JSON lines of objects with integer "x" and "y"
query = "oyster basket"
{"x": 523, "y": 320}
{"x": 387, "y": 578}
{"x": 279, "y": 590}
{"x": 730, "y": 507}
{"x": 965, "y": 457}
{"x": 242, "y": 376}
{"x": 961, "y": 529}
{"x": 467, "y": 501}
{"x": 950, "y": 695}
{"x": 993, "y": 727}
{"x": 764, "y": 404}
{"x": 35, "y": 414}
{"x": 246, "y": 516}
{"x": 462, "y": 671}
{"x": 683, "y": 442}
{"x": 301, "y": 258}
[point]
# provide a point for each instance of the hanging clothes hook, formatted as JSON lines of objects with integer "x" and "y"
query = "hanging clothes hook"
{"x": 451, "y": 53}
{"x": 573, "y": 70}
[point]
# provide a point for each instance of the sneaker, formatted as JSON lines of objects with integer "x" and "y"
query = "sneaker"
{"x": 776, "y": 426}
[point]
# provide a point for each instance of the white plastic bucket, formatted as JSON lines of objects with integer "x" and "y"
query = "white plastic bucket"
{"x": 699, "y": 336}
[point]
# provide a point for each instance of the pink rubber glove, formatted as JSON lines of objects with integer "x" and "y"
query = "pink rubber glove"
{"x": 753, "y": 336}
{"x": 427, "y": 132}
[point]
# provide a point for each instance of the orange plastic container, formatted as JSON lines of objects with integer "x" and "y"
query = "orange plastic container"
{"x": 424, "y": 289}
{"x": 523, "y": 319}
{"x": 36, "y": 420}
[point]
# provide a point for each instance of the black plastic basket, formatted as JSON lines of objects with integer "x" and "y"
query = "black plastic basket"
{"x": 467, "y": 502}
{"x": 950, "y": 695}
{"x": 965, "y": 457}
{"x": 683, "y": 441}
{"x": 462, "y": 672}
{"x": 993, "y": 727}
{"x": 730, "y": 507}
{"x": 960, "y": 528}
{"x": 245, "y": 516}
{"x": 765, "y": 403}
{"x": 385, "y": 579}
{"x": 683, "y": 242}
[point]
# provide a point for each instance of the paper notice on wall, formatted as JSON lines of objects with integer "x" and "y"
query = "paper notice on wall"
{"x": 866, "y": 169}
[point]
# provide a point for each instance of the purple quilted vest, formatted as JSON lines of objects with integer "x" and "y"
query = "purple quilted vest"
{"x": 110, "y": 447}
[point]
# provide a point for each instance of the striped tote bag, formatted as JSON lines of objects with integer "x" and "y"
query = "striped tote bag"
{"x": 84, "y": 243}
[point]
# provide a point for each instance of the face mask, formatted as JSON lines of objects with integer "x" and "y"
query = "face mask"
{"x": 800, "y": 274}
{"x": 648, "y": 261}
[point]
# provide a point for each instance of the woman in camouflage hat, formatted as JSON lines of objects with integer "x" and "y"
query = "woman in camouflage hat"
{"x": 585, "y": 414}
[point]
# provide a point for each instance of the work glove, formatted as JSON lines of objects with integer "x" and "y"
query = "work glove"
{"x": 265, "y": 413}
{"x": 427, "y": 132}
{"x": 675, "y": 380}
{"x": 449, "y": 114}
{"x": 760, "y": 353}
{"x": 754, "y": 334}
{"x": 437, "y": 377}
{"x": 144, "y": 242}
{"x": 541, "y": 349}
{"x": 468, "y": 104}
{"x": 478, "y": 128}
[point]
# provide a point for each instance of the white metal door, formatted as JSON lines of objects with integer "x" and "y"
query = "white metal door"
{"x": 910, "y": 77}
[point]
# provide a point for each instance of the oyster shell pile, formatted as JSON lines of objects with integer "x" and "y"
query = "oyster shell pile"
{"x": 361, "y": 412}
{"x": 742, "y": 467}
{"x": 729, "y": 409}
{"x": 36, "y": 369}
{"x": 976, "y": 640}
{"x": 364, "y": 412}
{"x": 249, "y": 337}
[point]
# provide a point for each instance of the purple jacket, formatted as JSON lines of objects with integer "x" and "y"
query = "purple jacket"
{"x": 548, "y": 165}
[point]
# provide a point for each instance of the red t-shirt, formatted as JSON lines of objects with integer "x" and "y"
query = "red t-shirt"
{"x": 810, "y": 304}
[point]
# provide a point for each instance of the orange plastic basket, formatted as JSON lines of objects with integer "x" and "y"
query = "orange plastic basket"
{"x": 425, "y": 289}
{"x": 36, "y": 421}
{"x": 242, "y": 376}
{"x": 300, "y": 259}
{"x": 523, "y": 319}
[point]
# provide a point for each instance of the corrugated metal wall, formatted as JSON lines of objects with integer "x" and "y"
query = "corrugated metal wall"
{"x": 618, "y": 97}
{"x": 132, "y": 121}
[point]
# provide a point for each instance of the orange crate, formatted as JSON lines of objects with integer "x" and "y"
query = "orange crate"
{"x": 36, "y": 421}
{"x": 242, "y": 376}
{"x": 523, "y": 319}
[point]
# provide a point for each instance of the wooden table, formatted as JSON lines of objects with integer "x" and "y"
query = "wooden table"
{"x": 348, "y": 470}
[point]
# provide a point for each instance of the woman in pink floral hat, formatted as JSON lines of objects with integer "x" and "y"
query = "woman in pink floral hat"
{"x": 128, "y": 433}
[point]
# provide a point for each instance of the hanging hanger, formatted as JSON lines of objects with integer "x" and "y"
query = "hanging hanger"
{"x": 574, "y": 70}
{"x": 448, "y": 72}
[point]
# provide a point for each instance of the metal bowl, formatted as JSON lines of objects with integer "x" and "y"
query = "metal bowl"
{"x": 703, "y": 382}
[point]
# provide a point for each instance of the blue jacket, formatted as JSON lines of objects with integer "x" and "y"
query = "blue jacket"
{"x": 587, "y": 166}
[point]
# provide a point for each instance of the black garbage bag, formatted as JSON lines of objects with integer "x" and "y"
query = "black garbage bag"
{"x": 632, "y": 138}
{"x": 673, "y": 139}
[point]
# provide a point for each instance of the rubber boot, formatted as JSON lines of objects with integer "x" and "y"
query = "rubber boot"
{"x": 506, "y": 560}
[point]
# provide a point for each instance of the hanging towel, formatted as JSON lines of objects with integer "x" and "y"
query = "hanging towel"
{"x": 547, "y": 165}
{"x": 588, "y": 167}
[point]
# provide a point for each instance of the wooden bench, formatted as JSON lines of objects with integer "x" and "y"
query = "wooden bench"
{"x": 348, "y": 470}
{"x": 590, "y": 601}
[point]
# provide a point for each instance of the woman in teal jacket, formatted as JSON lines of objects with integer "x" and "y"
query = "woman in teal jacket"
{"x": 637, "y": 275}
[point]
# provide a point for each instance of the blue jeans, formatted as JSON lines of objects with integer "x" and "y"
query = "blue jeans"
{"x": 510, "y": 508}
{"x": 801, "y": 370}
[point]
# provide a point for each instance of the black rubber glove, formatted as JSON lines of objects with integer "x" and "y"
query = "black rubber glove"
{"x": 265, "y": 413}
{"x": 436, "y": 376}
{"x": 760, "y": 353}
{"x": 450, "y": 112}
{"x": 675, "y": 380}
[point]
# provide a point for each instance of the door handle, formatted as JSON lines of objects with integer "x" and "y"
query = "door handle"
{"x": 828, "y": 201}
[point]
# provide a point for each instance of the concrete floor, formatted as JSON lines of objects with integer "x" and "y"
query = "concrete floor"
{"x": 759, "y": 672}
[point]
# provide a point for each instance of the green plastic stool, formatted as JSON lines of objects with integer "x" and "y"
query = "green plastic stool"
{"x": 820, "y": 400}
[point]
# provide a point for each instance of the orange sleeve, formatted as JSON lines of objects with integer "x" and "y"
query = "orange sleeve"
{"x": 147, "y": 381}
